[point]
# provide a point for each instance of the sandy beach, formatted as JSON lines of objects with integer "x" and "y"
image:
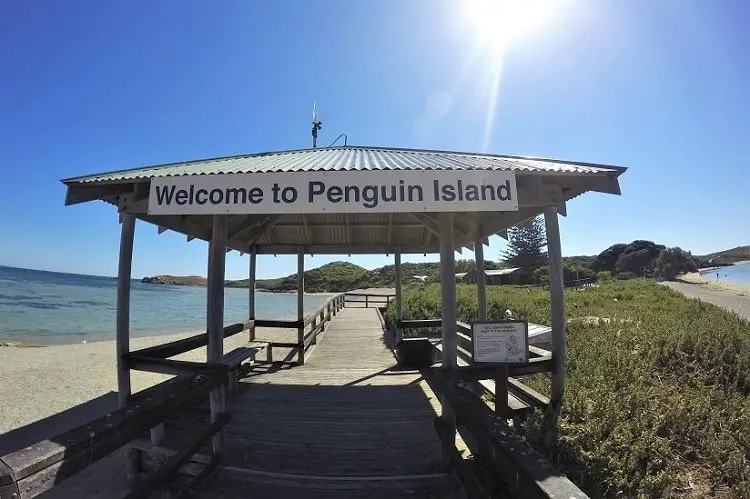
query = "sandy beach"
{"x": 64, "y": 376}
{"x": 736, "y": 300}
{"x": 43, "y": 381}
{"x": 697, "y": 278}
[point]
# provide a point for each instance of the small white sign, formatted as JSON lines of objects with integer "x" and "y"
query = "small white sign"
{"x": 502, "y": 342}
{"x": 335, "y": 192}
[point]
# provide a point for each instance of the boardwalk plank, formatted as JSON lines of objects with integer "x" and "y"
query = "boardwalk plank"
{"x": 348, "y": 417}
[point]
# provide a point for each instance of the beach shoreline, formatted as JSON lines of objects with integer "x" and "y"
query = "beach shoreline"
{"x": 697, "y": 279}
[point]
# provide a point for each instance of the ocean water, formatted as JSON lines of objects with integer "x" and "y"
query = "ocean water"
{"x": 737, "y": 274}
{"x": 51, "y": 307}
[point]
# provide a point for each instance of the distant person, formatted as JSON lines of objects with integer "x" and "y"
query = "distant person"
{"x": 717, "y": 276}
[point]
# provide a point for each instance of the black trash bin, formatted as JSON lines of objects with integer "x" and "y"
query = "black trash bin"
{"x": 415, "y": 353}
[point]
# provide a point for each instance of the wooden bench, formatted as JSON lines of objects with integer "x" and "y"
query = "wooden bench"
{"x": 236, "y": 357}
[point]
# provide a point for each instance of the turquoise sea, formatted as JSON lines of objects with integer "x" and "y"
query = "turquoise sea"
{"x": 52, "y": 307}
{"x": 737, "y": 274}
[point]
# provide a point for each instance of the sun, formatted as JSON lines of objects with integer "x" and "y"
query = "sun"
{"x": 498, "y": 22}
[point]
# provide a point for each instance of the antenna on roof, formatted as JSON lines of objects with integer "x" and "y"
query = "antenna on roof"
{"x": 317, "y": 125}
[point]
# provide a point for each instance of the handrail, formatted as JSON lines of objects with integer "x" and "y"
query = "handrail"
{"x": 39, "y": 467}
{"x": 370, "y": 297}
{"x": 177, "y": 347}
{"x": 503, "y": 455}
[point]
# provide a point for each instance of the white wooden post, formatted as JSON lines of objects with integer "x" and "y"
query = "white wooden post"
{"x": 481, "y": 279}
{"x": 448, "y": 303}
{"x": 557, "y": 317}
{"x": 251, "y": 290}
{"x": 301, "y": 306}
{"x": 123, "y": 306}
{"x": 399, "y": 316}
{"x": 122, "y": 328}
{"x": 215, "y": 318}
{"x": 448, "y": 289}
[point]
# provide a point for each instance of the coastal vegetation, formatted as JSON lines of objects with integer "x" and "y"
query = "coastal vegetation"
{"x": 656, "y": 401}
{"x": 525, "y": 249}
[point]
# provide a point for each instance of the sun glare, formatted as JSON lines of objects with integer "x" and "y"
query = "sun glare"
{"x": 497, "y": 22}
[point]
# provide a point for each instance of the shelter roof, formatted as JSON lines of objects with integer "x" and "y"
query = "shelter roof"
{"x": 540, "y": 182}
{"x": 351, "y": 158}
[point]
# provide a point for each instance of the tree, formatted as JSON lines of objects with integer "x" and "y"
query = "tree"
{"x": 607, "y": 258}
{"x": 526, "y": 244}
{"x": 639, "y": 258}
{"x": 637, "y": 262}
{"x": 672, "y": 262}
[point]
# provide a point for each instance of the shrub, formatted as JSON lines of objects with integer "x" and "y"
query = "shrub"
{"x": 624, "y": 276}
{"x": 656, "y": 395}
{"x": 604, "y": 275}
{"x": 541, "y": 276}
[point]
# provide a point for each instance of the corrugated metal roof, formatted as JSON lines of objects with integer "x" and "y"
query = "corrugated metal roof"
{"x": 501, "y": 271}
{"x": 349, "y": 159}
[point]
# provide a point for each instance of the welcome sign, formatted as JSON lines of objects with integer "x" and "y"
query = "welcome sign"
{"x": 335, "y": 192}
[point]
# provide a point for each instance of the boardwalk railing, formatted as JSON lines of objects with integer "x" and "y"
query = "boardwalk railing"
{"x": 39, "y": 467}
{"x": 502, "y": 463}
{"x": 376, "y": 300}
{"x": 512, "y": 397}
{"x": 308, "y": 330}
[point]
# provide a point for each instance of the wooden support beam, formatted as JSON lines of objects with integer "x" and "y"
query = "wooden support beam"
{"x": 215, "y": 318}
{"x": 301, "y": 304}
{"x": 251, "y": 290}
{"x": 448, "y": 291}
{"x": 83, "y": 193}
{"x": 183, "y": 345}
{"x": 426, "y": 223}
{"x": 308, "y": 236}
{"x": 161, "y": 229}
{"x": 427, "y": 236}
{"x": 169, "y": 366}
{"x": 557, "y": 316}
{"x": 123, "y": 306}
{"x": 397, "y": 263}
{"x": 389, "y": 237}
{"x": 481, "y": 280}
{"x": 448, "y": 305}
{"x": 348, "y": 230}
{"x": 248, "y": 236}
{"x": 242, "y": 231}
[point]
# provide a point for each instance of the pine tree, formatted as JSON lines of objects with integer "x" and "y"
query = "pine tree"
{"x": 526, "y": 245}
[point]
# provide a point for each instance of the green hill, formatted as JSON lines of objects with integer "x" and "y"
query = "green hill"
{"x": 332, "y": 277}
{"x": 727, "y": 257}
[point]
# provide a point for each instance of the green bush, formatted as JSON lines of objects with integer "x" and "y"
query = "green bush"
{"x": 541, "y": 276}
{"x": 604, "y": 275}
{"x": 624, "y": 276}
{"x": 656, "y": 391}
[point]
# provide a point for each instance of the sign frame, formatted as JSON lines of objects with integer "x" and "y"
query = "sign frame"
{"x": 320, "y": 192}
{"x": 524, "y": 347}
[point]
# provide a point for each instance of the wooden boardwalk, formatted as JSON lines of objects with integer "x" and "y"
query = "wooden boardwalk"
{"x": 346, "y": 424}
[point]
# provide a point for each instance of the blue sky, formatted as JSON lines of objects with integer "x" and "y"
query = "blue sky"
{"x": 89, "y": 86}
